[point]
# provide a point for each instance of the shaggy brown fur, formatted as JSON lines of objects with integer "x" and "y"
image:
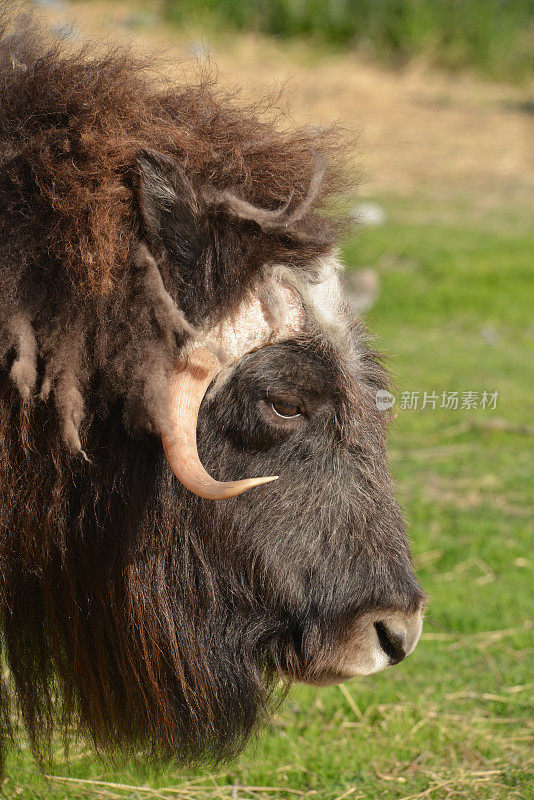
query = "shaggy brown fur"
{"x": 77, "y": 133}
{"x": 129, "y": 218}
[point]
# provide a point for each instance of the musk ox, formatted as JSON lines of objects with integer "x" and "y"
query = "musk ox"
{"x": 172, "y": 338}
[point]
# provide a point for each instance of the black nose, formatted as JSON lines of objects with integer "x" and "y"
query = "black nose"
{"x": 392, "y": 642}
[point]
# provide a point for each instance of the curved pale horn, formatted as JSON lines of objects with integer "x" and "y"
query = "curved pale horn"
{"x": 188, "y": 387}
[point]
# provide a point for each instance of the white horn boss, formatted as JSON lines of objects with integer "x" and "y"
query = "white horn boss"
{"x": 251, "y": 328}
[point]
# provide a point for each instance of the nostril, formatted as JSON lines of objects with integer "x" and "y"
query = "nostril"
{"x": 392, "y": 643}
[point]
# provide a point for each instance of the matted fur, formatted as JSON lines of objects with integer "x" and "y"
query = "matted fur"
{"x": 130, "y": 218}
{"x": 72, "y": 128}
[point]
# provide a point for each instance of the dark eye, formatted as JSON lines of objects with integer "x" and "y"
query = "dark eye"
{"x": 287, "y": 410}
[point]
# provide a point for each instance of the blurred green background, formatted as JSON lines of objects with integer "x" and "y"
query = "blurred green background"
{"x": 495, "y": 36}
{"x": 445, "y": 250}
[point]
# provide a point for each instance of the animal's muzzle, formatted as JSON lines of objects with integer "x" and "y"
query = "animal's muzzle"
{"x": 377, "y": 641}
{"x": 398, "y": 641}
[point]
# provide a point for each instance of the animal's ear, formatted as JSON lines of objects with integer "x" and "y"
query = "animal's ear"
{"x": 169, "y": 207}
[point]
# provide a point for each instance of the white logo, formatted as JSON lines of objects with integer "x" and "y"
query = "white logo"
{"x": 384, "y": 400}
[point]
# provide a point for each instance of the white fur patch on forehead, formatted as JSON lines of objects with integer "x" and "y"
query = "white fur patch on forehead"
{"x": 279, "y": 309}
{"x": 321, "y": 294}
{"x": 325, "y": 295}
{"x": 264, "y": 318}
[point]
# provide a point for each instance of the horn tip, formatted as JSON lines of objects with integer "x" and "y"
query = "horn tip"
{"x": 238, "y": 487}
{"x": 267, "y": 479}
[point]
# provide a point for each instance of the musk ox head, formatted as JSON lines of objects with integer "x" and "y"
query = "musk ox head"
{"x": 287, "y": 384}
{"x": 195, "y": 501}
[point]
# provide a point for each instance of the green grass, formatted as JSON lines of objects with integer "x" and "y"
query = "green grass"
{"x": 455, "y": 313}
{"x": 494, "y": 36}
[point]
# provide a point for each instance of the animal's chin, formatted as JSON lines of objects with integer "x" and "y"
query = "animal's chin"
{"x": 332, "y": 676}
